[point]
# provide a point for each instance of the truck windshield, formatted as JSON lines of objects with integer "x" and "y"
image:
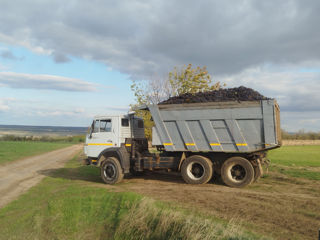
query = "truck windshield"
{"x": 90, "y": 128}
{"x": 96, "y": 126}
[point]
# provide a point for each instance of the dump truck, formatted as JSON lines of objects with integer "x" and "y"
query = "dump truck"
{"x": 199, "y": 140}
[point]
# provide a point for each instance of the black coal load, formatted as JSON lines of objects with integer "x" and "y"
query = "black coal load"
{"x": 222, "y": 95}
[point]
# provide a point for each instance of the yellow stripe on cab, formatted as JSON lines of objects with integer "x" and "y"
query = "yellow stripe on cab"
{"x": 100, "y": 144}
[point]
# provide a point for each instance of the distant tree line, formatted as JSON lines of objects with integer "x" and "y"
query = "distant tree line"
{"x": 300, "y": 135}
{"x": 71, "y": 139}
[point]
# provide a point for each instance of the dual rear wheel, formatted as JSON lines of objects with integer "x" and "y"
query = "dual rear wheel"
{"x": 197, "y": 170}
{"x": 235, "y": 171}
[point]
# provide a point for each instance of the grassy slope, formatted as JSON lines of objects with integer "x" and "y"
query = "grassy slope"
{"x": 65, "y": 207}
{"x": 303, "y": 156}
{"x": 60, "y": 208}
{"x": 297, "y": 161}
{"x": 10, "y": 151}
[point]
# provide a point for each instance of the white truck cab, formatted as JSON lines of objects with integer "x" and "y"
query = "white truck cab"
{"x": 111, "y": 131}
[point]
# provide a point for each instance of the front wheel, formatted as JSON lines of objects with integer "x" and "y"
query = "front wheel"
{"x": 196, "y": 170}
{"x": 237, "y": 172}
{"x": 111, "y": 171}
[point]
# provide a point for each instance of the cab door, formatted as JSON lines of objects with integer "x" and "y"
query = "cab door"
{"x": 103, "y": 136}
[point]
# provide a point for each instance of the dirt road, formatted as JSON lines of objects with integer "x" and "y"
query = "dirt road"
{"x": 17, "y": 177}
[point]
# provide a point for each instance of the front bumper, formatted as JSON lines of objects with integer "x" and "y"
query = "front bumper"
{"x": 90, "y": 161}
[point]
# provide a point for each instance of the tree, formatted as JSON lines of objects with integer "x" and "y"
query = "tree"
{"x": 181, "y": 80}
{"x": 191, "y": 80}
{"x": 151, "y": 91}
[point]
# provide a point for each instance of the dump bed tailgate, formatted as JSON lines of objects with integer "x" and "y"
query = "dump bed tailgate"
{"x": 217, "y": 126}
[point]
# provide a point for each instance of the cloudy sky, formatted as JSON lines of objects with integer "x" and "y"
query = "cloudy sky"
{"x": 61, "y": 62}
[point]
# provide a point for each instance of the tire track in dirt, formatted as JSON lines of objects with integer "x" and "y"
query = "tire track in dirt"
{"x": 278, "y": 208}
{"x": 19, "y": 176}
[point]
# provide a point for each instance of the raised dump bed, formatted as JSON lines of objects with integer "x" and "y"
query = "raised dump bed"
{"x": 247, "y": 126}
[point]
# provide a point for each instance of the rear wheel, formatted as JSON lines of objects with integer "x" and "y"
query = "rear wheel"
{"x": 196, "y": 170}
{"x": 111, "y": 171}
{"x": 237, "y": 172}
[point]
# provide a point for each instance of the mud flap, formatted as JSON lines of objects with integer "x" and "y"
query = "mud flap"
{"x": 258, "y": 171}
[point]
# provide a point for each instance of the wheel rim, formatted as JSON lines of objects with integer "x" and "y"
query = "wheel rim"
{"x": 237, "y": 173}
{"x": 109, "y": 171}
{"x": 195, "y": 171}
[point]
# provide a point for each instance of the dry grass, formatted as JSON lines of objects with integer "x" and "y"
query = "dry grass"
{"x": 148, "y": 220}
{"x": 65, "y": 206}
{"x": 279, "y": 206}
{"x": 300, "y": 142}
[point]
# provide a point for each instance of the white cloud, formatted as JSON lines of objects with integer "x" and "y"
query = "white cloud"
{"x": 310, "y": 121}
{"x": 4, "y": 103}
{"x": 4, "y": 106}
{"x": 3, "y": 67}
{"x": 50, "y": 82}
{"x": 58, "y": 113}
{"x": 26, "y": 42}
{"x": 79, "y": 110}
{"x": 7, "y": 54}
{"x": 294, "y": 121}
{"x": 295, "y": 90}
{"x": 60, "y": 58}
{"x": 146, "y": 37}
{"x": 141, "y": 38}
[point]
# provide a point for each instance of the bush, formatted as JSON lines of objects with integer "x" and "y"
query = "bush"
{"x": 300, "y": 135}
{"x": 70, "y": 139}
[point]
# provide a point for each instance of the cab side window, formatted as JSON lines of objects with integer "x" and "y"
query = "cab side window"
{"x": 125, "y": 122}
{"x": 105, "y": 125}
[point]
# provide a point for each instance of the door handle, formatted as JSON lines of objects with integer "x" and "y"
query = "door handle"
{"x": 109, "y": 141}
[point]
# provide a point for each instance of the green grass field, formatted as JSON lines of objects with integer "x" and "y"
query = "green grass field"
{"x": 300, "y": 156}
{"x": 61, "y": 208}
{"x": 14, "y": 150}
{"x": 66, "y": 206}
{"x": 297, "y": 161}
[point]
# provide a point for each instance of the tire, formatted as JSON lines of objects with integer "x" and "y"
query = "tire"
{"x": 111, "y": 171}
{"x": 196, "y": 170}
{"x": 237, "y": 172}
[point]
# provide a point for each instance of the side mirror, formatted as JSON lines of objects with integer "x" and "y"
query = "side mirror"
{"x": 91, "y": 130}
